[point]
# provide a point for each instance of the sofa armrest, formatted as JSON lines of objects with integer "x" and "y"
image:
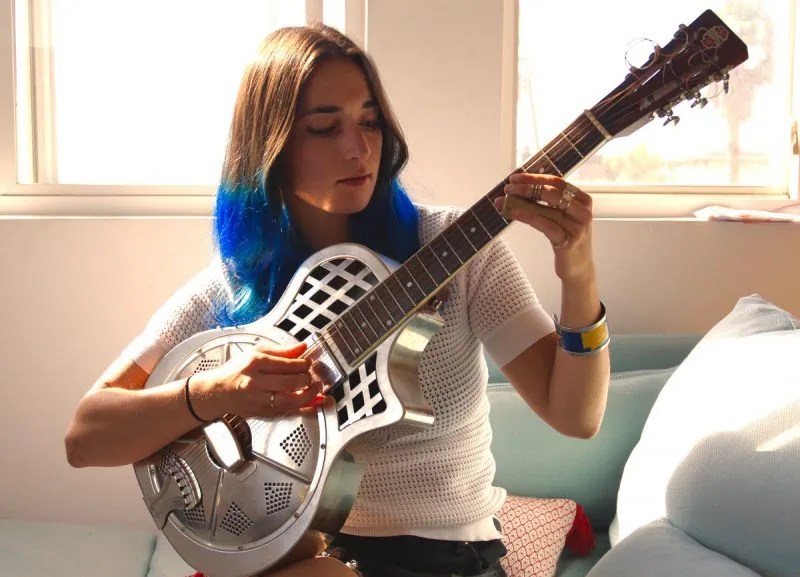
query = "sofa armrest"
{"x": 632, "y": 352}
{"x": 535, "y": 460}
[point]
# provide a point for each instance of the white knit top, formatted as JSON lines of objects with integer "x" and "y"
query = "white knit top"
{"x": 435, "y": 483}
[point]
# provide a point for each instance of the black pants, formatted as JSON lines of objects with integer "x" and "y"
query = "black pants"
{"x": 409, "y": 556}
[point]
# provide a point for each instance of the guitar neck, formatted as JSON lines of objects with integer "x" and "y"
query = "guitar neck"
{"x": 366, "y": 324}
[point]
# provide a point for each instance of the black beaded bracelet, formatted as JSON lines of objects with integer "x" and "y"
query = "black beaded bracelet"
{"x": 189, "y": 401}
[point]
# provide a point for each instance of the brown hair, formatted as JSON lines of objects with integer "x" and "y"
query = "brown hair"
{"x": 266, "y": 105}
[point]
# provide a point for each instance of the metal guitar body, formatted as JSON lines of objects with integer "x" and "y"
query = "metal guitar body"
{"x": 234, "y": 496}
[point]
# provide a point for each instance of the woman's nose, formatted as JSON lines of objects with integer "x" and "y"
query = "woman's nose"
{"x": 355, "y": 144}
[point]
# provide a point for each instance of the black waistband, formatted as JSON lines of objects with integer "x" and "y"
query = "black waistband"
{"x": 411, "y": 556}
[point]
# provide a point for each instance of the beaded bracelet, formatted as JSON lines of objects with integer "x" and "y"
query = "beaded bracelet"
{"x": 587, "y": 340}
{"x": 189, "y": 401}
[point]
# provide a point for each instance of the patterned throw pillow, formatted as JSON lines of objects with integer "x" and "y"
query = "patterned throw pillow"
{"x": 536, "y": 530}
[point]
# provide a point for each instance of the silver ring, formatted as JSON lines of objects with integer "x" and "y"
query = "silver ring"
{"x": 536, "y": 192}
{"x": 567, "y": 196}
{"x": 566, "y": 199}
{"x": 272, "y": 400}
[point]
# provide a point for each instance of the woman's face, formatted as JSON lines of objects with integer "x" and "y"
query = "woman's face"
{"x": 334, "y": 148}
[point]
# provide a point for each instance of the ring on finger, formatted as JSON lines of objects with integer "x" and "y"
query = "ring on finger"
{"x": 567, "y": 196}
{"x": 535, "y": 193}
{"x": 566, "y": 200}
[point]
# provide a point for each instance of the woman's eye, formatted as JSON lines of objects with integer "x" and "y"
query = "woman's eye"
{"x": 373, "y": 124}
{"x": 323, "y": 131}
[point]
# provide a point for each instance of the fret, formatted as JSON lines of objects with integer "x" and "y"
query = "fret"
{"x": 421, "y": 274}
{"x": 339, "y": 337}
{"x": 568, "y": 156}
{"x": 572, "y": 145}
{"x": 363, "y": 322}
{"x": 400, "y": 294}
{"x": 492, "y": 221}
{"x": 445, "y": 254}
{"x": 387, "y": 300}
{"x": 552, "y": 163}
{"x": 380, "y": 317}
{"x": 405, "y": 278}
{"x": 359, "y": 342}
{"x": 592, "y": 137}
{"x": 473, "y": 229}
{"x": 459, "y": 242}
{"x": 433, "y": 265}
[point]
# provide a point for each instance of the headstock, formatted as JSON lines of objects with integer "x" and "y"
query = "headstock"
{"x": 698, "y": 54}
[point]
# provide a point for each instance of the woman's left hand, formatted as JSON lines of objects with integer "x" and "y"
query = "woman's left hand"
{"x": 563, "y": 213}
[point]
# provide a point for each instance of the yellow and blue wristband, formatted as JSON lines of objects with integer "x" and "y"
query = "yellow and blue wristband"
{"x": 586, "y": 340}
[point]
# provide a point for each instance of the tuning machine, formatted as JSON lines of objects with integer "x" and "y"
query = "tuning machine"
{"x": 670, "y": 116}
{"x": 699, "y": 100}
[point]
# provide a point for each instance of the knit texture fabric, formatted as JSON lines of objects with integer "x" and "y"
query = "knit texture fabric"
{"x": 440, "y": 477}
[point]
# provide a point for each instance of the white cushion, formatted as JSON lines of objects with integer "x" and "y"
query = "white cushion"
{"x": 49, "y": 549}
{"x": 660, "y": 550}
{"x": 719, "y": 455}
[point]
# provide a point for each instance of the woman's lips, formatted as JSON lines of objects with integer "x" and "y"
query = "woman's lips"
{"x": 357, "y": 181}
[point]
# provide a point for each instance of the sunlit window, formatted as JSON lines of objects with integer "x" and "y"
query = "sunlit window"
{"x": 125, "y": 93}
{"x": 571, "y": 54}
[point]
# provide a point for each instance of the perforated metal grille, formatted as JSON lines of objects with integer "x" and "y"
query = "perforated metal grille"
{"x": 196, "y": 515}
{"x": 278, "y": 496}
{"x": 297, "y": 445}
{"x": 235, "y": 521}
{"x": 359, "y": 396}
{"x": 173, "y": 467}
{"x": 329, "y": 289}
{"x": 206, "y": 365}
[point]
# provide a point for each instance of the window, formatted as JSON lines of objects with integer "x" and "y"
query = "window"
{"x": 132, "y": 93}
{"x": 740, "y": 142}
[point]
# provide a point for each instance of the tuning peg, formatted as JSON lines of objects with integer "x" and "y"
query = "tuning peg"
{"x": 699, "y": 102}
{"x": 670, "y": 117}
{"x": 725, "y": 83}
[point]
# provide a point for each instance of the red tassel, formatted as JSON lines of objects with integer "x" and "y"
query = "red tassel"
{"x": 580, "y": 539}
{"x": 198, "y": 574}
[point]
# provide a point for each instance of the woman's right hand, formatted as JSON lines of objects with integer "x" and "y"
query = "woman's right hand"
{"x": 263, "y": 381}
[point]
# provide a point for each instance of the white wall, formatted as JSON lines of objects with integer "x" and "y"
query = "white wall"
{"x": 74, "y": 291}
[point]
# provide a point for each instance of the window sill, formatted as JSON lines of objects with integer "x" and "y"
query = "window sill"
{"x": 609, "y": 206}
{"x": 168, "y": 202}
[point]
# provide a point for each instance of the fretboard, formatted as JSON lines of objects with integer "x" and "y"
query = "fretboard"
{"x": 375, "y": 316}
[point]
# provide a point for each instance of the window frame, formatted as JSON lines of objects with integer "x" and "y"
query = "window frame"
{"x": 197, "y": 201}
{"x": 649, "y": 202}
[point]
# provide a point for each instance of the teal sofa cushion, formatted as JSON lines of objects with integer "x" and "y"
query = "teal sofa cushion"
{"x": 51, "y": 549}
{"x": 535, "y": 460}
{"x": 661, "y": 550}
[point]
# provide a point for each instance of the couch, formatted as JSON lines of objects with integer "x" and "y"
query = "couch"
{"x": 654, "y": 535}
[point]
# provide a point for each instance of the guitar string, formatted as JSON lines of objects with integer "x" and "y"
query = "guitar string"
{"x": 582, "y": 128}
{"x": 552, "y": 152}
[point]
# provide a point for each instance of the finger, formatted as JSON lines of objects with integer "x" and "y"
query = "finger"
{"x": 269, "y": 364}
{"x": 283, "y": 402}
{"x": 550, "y": 199}
{"x": 533, "y": 178}
{"x": 290, "y": 351}
{"x": 545, "y": 219}
{"x": 283, "y": 383}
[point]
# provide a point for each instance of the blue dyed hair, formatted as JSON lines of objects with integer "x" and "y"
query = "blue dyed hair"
{"x": 257, "y": 242}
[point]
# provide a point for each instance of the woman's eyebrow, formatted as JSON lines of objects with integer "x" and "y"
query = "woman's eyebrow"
{"x": 331, "y": 109}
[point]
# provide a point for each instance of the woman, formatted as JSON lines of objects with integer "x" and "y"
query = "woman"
{"x": 313, "y": 160}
